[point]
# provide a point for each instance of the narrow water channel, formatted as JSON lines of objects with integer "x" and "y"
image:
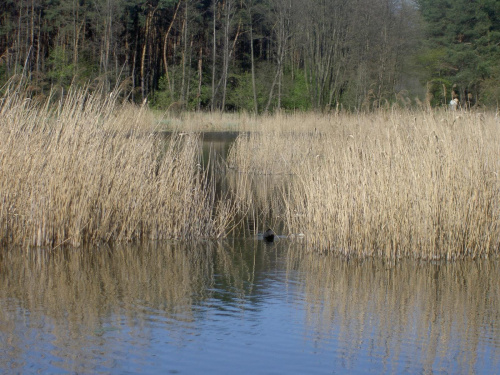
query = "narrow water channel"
{"x": 246, "y": 307}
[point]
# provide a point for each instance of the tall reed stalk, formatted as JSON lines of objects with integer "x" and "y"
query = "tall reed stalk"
{"x": 81, "y": 172}
{"x": 392, "y": 184}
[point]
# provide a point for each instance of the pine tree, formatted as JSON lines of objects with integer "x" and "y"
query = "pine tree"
{"x": 463, "y": 51}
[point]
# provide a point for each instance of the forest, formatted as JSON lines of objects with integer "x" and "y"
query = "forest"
{"x": 258, "y": 56}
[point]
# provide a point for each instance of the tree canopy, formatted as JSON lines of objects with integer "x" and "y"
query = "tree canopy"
{"x": 463, "y": 48}
{"x": 258, "y": 55}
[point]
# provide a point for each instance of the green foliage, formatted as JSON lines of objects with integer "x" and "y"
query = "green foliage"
{"x": 240, "y": 96}
{"x": 463, "y": 45}
{"x": 297, "y": 95}
{"x": 440, "y": 90}
{"x": 352, "y": 53}
{"x": 294, "y": 95}
{"x": 3, "y": 74}
{"x": 433, "y": 60}
{"x": 162, "y": 98}
{"x": 490, "y": 88}
{"x": 240, "y": 91}
{"x": 60, "y": 70}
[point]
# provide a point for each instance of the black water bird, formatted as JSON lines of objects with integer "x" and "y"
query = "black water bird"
{"x": 269, "y": 235}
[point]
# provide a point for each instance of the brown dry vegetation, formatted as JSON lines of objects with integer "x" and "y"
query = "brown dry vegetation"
{"x": 90, "y": 170}
{"x": 392, "y": 184}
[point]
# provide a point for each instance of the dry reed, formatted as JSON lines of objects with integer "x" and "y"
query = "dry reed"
{"x": 81, "y": 172}
{"x": 392, "y": 184}
{"x": 269, "y": 153}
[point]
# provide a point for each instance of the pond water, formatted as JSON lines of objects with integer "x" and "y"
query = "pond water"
{"x": 244, "y": 306}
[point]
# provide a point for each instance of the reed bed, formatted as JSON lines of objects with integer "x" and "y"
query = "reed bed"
{"x": 260, "y": 164}
{"x": 392, "y": 184}
{"x": 244, "y": 122}
{"x": 257, "y": 200}
{"x": 206, "y": 121}
{"x": 89, "y": 170}
{"x": 269, "y": 153}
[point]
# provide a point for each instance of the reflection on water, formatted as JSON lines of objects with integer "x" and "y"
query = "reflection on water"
{"x": 258, "y": 196}
{"x": 445, "y": 317}
{"x": 245, "y": 306}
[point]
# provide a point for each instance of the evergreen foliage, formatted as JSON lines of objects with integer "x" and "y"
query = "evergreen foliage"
{"x": 258, "y": 55}
{"x": 463, "y": 48}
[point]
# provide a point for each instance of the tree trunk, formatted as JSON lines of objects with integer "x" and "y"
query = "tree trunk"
{"x": 184, "y": 51}
{"x": 214, "y": 55}
{"x": 225, "y": 63}
{"x": 282, "y": 36}
{"x": 200, "y": 65}
{"x": 149, "y": 19}
{"x": 252, "y": 61}
{"x": 165, "y": 45}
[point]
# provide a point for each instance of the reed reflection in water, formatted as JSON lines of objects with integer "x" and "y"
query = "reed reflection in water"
{"x": 443, "y": 316}
{"x": 241, "y": 305}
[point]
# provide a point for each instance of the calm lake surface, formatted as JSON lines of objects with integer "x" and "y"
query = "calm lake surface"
{"x": 241, "y": 306}
{"x": 244, "y": 307}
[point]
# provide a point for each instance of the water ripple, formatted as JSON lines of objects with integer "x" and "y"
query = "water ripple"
{"x": 247, "y": 310}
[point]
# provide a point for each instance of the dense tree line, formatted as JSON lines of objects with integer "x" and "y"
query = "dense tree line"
{"x": 461, "y": 54}
{"x": 255, "y": 55}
